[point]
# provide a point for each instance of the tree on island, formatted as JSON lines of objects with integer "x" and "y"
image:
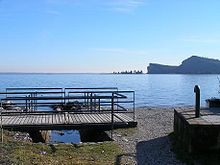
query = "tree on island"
{"x": 129, "y": 72}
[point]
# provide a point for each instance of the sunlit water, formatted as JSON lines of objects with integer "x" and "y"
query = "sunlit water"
{"x": 150, "y": 90}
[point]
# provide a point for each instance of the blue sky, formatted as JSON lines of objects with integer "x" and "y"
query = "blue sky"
{"x": 105, "y": 35}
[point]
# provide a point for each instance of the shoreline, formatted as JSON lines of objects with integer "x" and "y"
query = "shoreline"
{"x": 150, "y": 142}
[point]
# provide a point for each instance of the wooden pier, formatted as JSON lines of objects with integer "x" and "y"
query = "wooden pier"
{"x": 79, "y": 108}
{"x": 64, "y": 121}
{"x": 198, "y": 133}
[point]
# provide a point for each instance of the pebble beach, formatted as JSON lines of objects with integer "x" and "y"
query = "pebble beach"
{"x": 149, "y": 144}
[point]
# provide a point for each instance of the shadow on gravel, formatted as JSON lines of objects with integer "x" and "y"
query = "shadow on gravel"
{"x": 155, "y": 151}
{"x": 121, "y": 159}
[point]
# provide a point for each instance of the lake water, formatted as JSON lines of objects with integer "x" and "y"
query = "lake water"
{"x": 150, "y": 90}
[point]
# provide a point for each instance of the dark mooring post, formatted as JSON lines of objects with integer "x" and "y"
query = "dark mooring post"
{"x": 197, "y": 105}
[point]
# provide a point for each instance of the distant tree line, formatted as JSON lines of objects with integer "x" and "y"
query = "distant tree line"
{"x": 129, "y": 72}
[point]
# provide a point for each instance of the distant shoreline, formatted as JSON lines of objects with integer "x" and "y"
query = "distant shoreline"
{"x": 46, "y": 73}
{"x": 1, "y": 73}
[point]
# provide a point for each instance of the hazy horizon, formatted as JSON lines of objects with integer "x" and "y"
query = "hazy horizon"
{"x": 73, "y": 36}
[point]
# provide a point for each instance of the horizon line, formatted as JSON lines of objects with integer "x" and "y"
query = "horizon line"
{"x": 56, "y": 73}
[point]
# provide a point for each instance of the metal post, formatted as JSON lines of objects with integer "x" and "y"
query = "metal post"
{"x": 26, "y": 104}
{"x": 112, "y": 114}
{"x": 99, "y": 105}
{"x": 64, "y": 91}
{"x": 197, "y": 103}
{"x": 91, "y": 102}
{"x": 134, "y": 115}
{"x": 29, "y": 102}
{"x": 1, "y": 125}
{"x": 35, "y": 106}
{"x": 87, "y": 100}
{"x": 94, "y": 104}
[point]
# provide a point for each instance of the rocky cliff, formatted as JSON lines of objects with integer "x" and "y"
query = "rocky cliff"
{"x": 192, "y": 65}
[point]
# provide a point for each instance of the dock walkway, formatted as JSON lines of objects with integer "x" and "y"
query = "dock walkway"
{"x": 64, "y": 120}
{"x": 99, "y": 108}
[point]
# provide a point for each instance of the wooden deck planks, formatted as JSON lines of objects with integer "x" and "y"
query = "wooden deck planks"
{"x": 74, "y": 119}
{"x": 14, "y": 120}
{"x": 93, "y": 119}
{"x": 6, "y": 119}
{"x": 26, "y": 121}
{"x": 207, "y": 117}
{"x": 102, "y": 120}
{"x": 50, "y": 117}
{"x": 33, "y": 120}
{"x": 57, "y": 121}
{"x": 54, "y": 119}
{"x": 84, "y": 119}
{"x": 38, "y": 120}
{"x": 124, "y": 117}
{"x": 106, "y": 117}
{"x": 22, "y": 119}
{"x": 63, "y": 118}
{"x": 70, "y": 119}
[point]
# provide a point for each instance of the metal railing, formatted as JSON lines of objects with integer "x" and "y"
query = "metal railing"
{"x": 32, "y": 101}
{"x": 81, "y": 100}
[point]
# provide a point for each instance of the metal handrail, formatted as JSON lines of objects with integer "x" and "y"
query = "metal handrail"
{"x": 95, "y": 99}
{"x": 102, "y": 88}
{"x": 34, "y": 88}
{"x": 59, "y": 98}
{"x": 31, "y": 92}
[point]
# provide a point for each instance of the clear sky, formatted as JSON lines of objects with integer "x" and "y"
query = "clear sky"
{"x": 105, "y": 35}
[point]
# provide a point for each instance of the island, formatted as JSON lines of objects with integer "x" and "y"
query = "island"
{"x": 129, "y": 72}
{"x": 192, "y": 65}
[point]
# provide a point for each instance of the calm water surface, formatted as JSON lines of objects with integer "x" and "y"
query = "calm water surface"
{"x": 151, "y": 90}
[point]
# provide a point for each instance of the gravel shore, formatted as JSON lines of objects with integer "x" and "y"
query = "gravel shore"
{"x": 149, "y": 144}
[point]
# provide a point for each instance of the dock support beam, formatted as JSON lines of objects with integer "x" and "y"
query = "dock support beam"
{"x": 197, "y": 105}
{"x": 36, "y": 136}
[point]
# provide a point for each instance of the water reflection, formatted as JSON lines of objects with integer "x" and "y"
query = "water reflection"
{"x": 64, "y": 136}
